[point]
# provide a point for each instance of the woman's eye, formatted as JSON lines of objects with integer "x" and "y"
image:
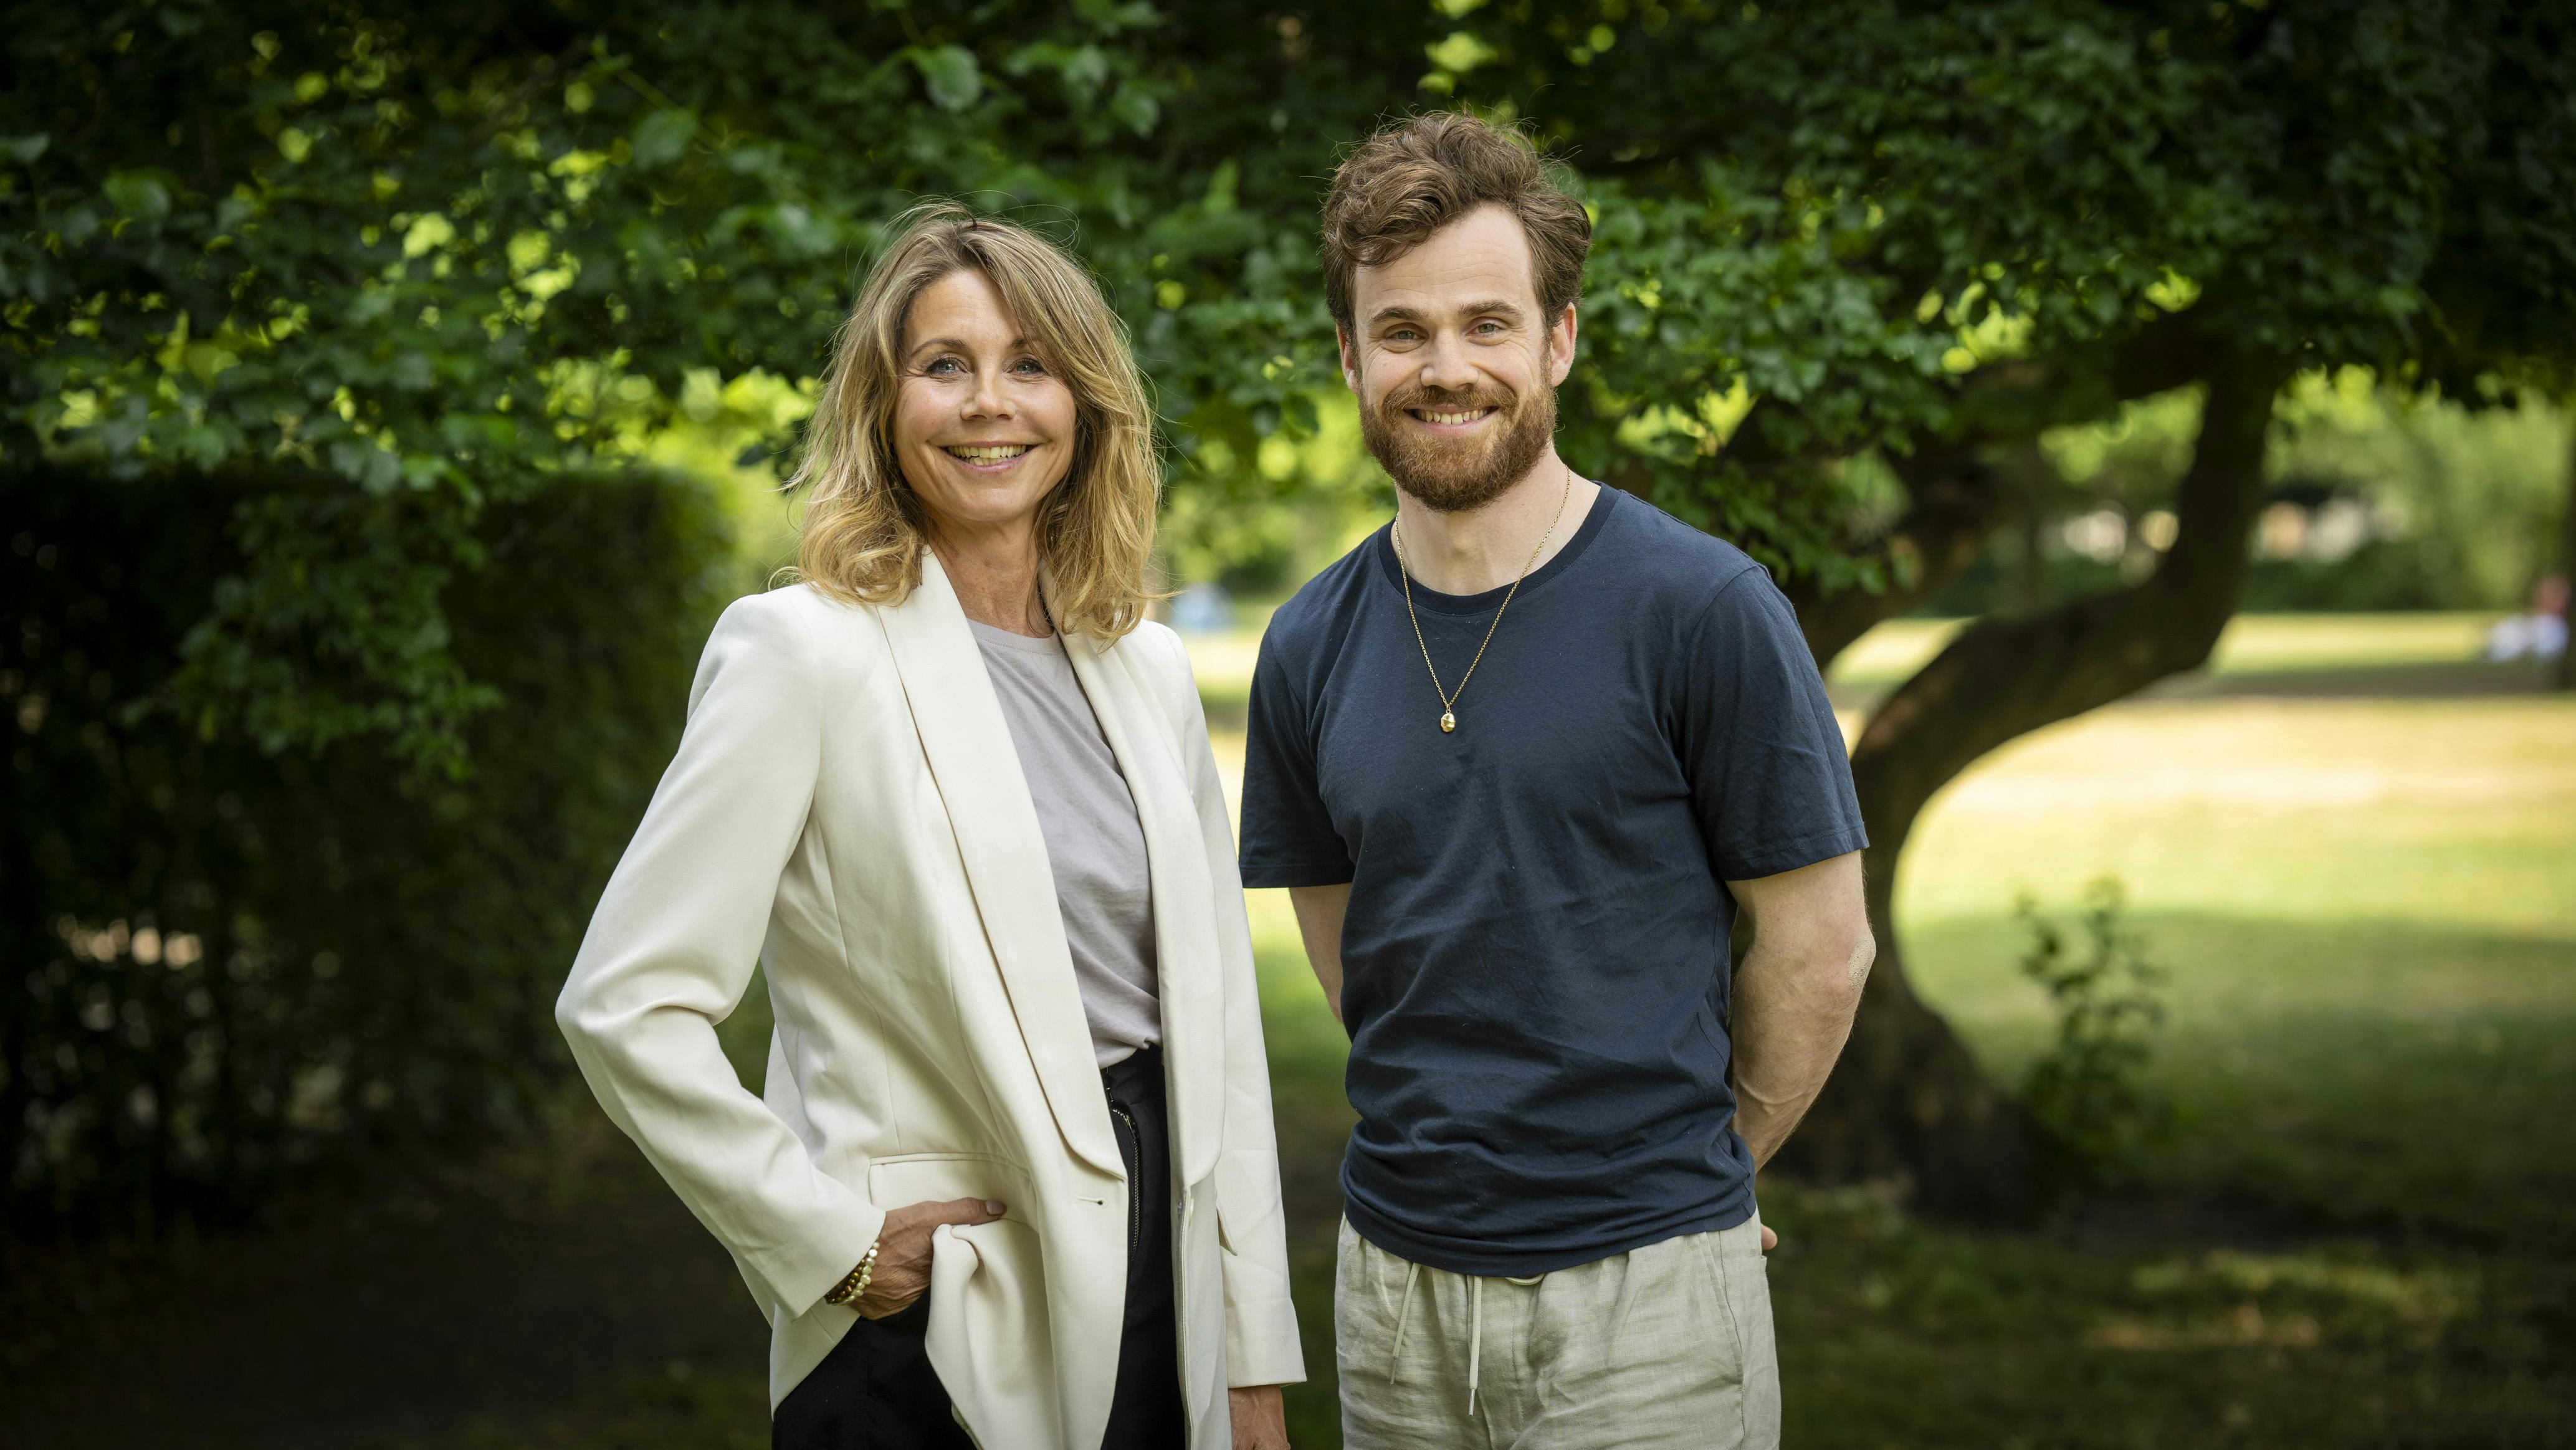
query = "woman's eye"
{"x": 1029, "y": 365}
{"x": 941, "y": 367}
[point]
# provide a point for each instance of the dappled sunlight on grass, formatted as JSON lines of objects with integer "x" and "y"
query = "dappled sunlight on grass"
{"x": 2228, "y": 1297}
{"x": 2456, "y": 810}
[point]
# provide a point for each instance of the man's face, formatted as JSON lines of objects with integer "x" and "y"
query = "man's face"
{"x": 1454, "y": 366}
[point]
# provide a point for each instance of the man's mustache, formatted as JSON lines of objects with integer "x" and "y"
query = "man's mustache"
{"x": 1448, "y": 398}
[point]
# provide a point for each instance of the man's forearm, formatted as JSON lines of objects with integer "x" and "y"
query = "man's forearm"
{"x": 1793, "y": 1011}
{"x": 1319, "y": 922}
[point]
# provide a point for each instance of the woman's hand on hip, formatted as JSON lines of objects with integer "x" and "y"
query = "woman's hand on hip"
{"x": 1260, "y": 1419}
{"x": 902, "y": 1273}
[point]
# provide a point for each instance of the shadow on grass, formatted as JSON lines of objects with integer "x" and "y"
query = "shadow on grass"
{"x": 1895, "y": 1333}
{"x": 2385, "y": 1078}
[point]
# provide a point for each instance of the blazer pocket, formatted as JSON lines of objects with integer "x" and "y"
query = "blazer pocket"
{"x": 909, "y": 1178}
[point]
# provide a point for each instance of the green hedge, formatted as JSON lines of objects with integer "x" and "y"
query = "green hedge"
{"x": 224, "y": 964}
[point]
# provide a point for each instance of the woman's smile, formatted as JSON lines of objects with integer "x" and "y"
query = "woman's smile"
{"x": 988, "y": 458}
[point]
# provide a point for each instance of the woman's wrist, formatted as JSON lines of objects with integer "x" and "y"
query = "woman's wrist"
{"x": 855, "y": 1287}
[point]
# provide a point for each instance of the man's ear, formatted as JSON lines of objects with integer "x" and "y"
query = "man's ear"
{"x": 1560, "y": 348}
{"x": 1350, "y": 366}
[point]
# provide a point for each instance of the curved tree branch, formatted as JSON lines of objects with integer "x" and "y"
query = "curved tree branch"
{"x": 2005, "y": 676}
{"x": 1908, "y": 1098}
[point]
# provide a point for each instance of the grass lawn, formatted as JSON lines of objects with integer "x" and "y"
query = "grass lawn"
{"x": 2253, "y": 643}
{"x": 2366, "y": 910}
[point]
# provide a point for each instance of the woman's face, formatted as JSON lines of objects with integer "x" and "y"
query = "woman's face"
{"x": 983, "y": 426}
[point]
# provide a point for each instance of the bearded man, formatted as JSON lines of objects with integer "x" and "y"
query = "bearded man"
{"x": 1521, "y": 758}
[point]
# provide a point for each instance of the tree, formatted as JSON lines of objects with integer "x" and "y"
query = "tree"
{"x": 1852, "y": 258}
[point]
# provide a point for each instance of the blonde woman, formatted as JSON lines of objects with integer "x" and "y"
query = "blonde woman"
{"x": 1013, "y": 1182}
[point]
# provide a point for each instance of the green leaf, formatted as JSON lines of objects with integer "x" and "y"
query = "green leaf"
{"x": 1461, "y": 52}
{"x": 23, "y": 149}
{"x": 1114, "y": 16}
{"x": 950, "y": 73}
{"x": 370, "y": 467}
{"x": 138, "y": 195}
{"x": 1136, "y": 110}
{"x": 663, "y": 137}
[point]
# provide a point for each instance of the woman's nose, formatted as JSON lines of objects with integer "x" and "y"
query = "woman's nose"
{"x": 987, "y": 399}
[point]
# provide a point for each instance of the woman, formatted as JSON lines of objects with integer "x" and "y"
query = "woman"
{"x": 1014, "y": 1171}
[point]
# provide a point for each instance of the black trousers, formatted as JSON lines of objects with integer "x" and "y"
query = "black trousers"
{"x": 877, "y": 1391}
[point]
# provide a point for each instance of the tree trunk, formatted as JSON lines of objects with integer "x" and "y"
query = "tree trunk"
{"x": 2566, "y": 676}
{"x": 2030, "y": 525}
{"x": 1908, "y": 1099}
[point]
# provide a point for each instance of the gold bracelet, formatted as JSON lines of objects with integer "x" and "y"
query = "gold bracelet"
{"x": 853, "y": 1288}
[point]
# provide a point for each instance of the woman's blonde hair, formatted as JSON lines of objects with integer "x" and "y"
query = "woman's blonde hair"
{"x": 864, "y": 528}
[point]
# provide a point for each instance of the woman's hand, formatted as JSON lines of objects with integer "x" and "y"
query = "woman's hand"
{"x": 1260, "y": 1421}
{"x": 903, "y": 1252}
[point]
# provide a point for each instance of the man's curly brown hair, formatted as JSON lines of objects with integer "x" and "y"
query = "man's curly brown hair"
{"x": 1419, "y": 174}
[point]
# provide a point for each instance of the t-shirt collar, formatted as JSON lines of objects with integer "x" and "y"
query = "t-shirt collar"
{"x": 1382, "y": 544}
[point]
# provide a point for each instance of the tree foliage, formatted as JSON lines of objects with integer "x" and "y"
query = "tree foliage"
{"x": 445, "y": 251}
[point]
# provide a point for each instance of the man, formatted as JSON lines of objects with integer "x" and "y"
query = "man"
{"x": 1520, "y": 759}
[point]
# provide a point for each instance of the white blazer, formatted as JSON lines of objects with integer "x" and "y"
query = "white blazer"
{"x": 847, "y": 808}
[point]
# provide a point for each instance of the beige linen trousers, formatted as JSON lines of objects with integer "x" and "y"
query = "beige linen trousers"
{"x": 1661, "y": 1348}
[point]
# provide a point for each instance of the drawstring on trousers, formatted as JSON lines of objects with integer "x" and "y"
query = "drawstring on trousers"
{"x": 1475, "y": 1321}
{"x": 1475, "y": 1335}
{"x": 1404, "y": 1310}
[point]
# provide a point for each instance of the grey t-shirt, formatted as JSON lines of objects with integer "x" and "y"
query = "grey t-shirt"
{"x": 1094, "y": 843}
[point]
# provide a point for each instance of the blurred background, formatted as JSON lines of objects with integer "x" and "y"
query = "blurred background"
{"x": 2158, "y": 412}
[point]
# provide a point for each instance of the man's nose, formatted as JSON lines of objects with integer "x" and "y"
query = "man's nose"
{"x": 1445, "y": 365}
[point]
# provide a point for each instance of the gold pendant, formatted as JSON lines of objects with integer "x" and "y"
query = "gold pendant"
{"x": 1448, "y": 722}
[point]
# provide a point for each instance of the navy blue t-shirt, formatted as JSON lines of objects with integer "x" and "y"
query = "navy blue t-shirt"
{"x": 1534, "y": 963}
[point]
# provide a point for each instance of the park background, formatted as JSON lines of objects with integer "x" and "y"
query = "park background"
{"x": 2158, "y": 413}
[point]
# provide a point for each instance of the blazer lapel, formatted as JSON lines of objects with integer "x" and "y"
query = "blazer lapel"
{"x": 1184, "y": 906}
{"x": 977, "y": 769}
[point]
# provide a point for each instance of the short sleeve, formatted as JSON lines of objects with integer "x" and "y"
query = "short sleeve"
{"x": 1288, "y": 834}
{"x": 1769, "y": 778}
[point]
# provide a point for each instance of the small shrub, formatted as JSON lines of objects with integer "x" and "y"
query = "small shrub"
{"x": 2099, "y": 1119}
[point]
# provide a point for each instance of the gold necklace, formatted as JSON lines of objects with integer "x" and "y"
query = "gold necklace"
{"x": 1448, "y": 697}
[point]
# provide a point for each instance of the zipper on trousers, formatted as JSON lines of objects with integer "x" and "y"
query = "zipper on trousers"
{"x": 1135, "y": 1167}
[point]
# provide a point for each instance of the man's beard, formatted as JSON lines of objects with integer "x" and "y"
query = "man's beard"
{"x": 1451, "y": 477}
